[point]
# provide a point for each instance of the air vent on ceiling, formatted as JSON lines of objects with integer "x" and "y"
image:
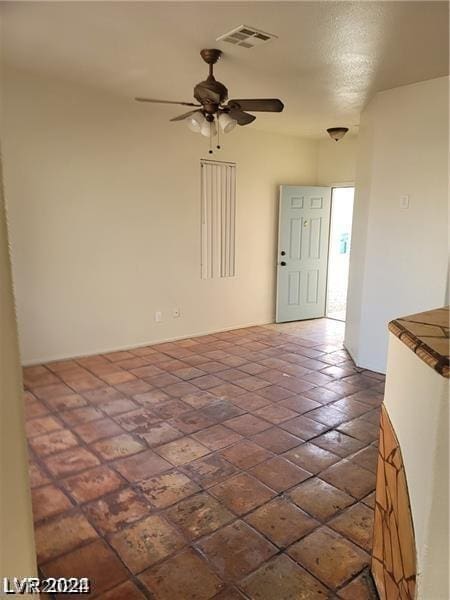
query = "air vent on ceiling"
{"x": 246, "y": 37}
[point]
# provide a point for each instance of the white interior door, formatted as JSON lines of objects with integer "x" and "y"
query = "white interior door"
{"x": 304, "y": 226}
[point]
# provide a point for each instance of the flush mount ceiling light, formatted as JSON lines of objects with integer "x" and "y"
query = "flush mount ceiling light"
{"x": 337, "y": 133}
{"x": 214, "y": 107}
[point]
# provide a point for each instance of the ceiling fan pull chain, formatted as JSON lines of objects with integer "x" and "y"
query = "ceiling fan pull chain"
{"x": 218, "y": 133}
{"x": 210, "y": 151}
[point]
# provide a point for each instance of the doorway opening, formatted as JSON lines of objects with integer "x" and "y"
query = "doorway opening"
{"x": 339, "y": 252}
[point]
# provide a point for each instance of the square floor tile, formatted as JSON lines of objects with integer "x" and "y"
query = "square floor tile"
{"x": 96, "y": 430}
{"x": 250, "y": 401}
{"x": 236, "y": 550}
{"x": 242, "y": 493}
{"x": 91, "y": 484}
{"x": 366, "y": 458}
{"x": 355, "y": 523}
{"x": 151, "y": 398}
{"x": 146, "y": 542}
{"x": 320, "y": 499}
{"x": 361, "y": 430}
{"x": 61, "y": 534}
{"x": 118, "y": 446}
{"x": 70, "y": 461}
{"x": 311, "y": 458}
{"x": 300, "y": 404}
{"x": 276, "y": 440}
{"x": 199, "y": 515}
{"x": 182, "y": 451}
{"x": 322, "y": 395}
{"x": 142, "y": 465}
{"x": 304, "y": 428}
{"x": 102, "y": 394}
{"x": 131, "y": 388}
{"x": 274, "y": 413}
{"x": 217, "y": 437}
{"x": 338, "y": 443}
{"x": 179, "y": 389}
{"x": 279, "y": 474}
{"x": 200, "y": 398}
{"x": 66, "y": 402}
{"x": 160, "y": 433}
{"x": 351, "y": 408}
{"x": 328, "y": 416}
{"x": 168, "y": 488}
{"x": 37, "y": 475}
{"x": 210, "y": 470}
{"x": 192, "y": 422}
{"x": 76, "y": 416}
{"x": 171, "y": 409}
{"x": 282, "y": 522}
{"x": 351, "y": 478}
{"x": 186, "y": 575}
{"x": 124, "y": 591}
{"x": 138, "y": 420}
{"x": 283, "y": 579}
{"x": 274, "y": 393}
{"x": 369, "y": 500}
{"x": 117, "y": 407}
{"x": 95, "y": 561}
{"x": 50, "y": 443}
{"x": 247, "y": 424}
{"x": 229, "y": 593}
{"x": 221, "y": 410}
{"x": 115, "y": 511}
{"x": 42, "y": 425}
{"x": 35, "y": 409}
{"x": 245, "y": 454}
{"x": 252, "y": 383}
{"x": 329, "y": 556}
{"x": 48, "y": 501}
{"x": 360, "y": 588}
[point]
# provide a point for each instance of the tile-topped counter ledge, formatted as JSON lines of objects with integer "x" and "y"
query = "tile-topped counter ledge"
{"x": 426, "y": 334}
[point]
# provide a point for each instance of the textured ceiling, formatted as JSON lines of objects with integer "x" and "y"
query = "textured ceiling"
{"x": 328, "y": 60}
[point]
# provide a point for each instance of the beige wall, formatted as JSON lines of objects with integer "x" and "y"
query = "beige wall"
{"x": 416, "y": 399}
{"x": 398, "y": 262}
{"x": 17, "y": 554}
{"x": 103, "y": 196}
{"x": 336, "y": 161}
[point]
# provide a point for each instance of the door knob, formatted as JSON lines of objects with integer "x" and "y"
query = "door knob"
{"x": 282, "y": 263}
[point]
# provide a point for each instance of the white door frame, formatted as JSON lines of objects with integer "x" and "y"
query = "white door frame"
{"x": 332, "y": 185}
{"x": 345, "y": 184}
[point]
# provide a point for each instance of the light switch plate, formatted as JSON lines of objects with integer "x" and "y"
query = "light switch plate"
{"x": 404, "y": 201}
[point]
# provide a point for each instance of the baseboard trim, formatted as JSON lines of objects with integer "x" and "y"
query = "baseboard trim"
{"x": 40, "y": 361}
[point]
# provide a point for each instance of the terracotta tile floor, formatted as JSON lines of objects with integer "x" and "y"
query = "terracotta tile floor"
{"x": 235, "y": 465}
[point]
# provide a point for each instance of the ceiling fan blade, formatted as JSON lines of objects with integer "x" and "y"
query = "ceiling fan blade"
{"x": 165, "y": 102}
{"x": 184, "y": 115}
{"x": 258, "y": 104}
{"x": 241, "y": 117}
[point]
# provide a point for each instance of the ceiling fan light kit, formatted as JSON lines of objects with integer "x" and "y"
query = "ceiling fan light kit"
{"x": 337, "y": 133}
{"x": 214, "y": 111}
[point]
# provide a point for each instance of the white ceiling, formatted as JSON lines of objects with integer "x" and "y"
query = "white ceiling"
{"x": 329, "y": 59}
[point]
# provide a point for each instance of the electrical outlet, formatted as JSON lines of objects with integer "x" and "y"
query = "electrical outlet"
{"x": 176, "y": 313}
{"x": 158, "y": 316}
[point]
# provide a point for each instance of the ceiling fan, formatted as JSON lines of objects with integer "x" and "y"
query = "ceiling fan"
{"x": 213, "y": 104}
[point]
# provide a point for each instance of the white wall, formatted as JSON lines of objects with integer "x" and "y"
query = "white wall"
{"x": 336, "y": 161}
{"x": 398, "y": 261}
{"x": 103, "y": 195}
{"x": 416, "y": 400}
{"x": 17, "y": 552}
